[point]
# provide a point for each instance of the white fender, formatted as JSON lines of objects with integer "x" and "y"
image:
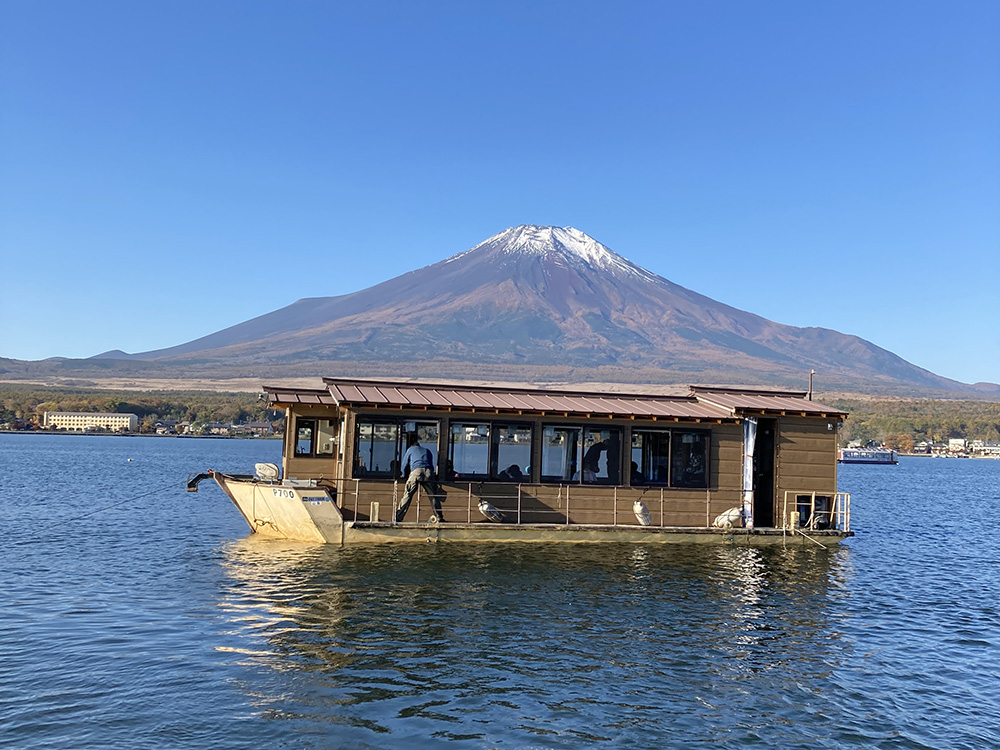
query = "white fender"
{"x": 729, "y": 519}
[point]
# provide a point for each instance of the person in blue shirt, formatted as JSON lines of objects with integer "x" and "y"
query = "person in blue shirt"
{"x": 418, "y": 468}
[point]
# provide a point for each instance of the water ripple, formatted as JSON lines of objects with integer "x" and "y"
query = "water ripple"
{"x": 157, "y": 622}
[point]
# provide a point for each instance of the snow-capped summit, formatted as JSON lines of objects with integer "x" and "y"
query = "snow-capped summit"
{"x": 529, "y": 238}
{"x": 550, "y": 243}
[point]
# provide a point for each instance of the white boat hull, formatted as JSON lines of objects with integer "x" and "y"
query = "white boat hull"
{"x": 281, "y": 511}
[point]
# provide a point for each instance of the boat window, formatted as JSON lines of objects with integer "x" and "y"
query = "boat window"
{"x": 567, "y": 450}
{"x": 511, "y": 452}
{"x": 561, "y": 453}
{"x": 499, "y": 451}
{"x": 380, "y": 444}
{"x": 304, "y": 431}
{"x": 675, "y": 458}
{"x": 689, "y": 459}
{"x": 314, "y": 437}
{"x": 650, "y": 457}
{"x": 377, "y": 449}
{"x": 602, "y": 456}
{"x": 469, "y": 450}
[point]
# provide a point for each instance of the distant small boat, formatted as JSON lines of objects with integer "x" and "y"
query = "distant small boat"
{"x": 867, "y": 456}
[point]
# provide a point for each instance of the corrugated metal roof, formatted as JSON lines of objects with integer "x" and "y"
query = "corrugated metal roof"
{"x": 518, "y": 400}
{"x": 772, "y": 402}
{"x": 703, "y": 403}
{"x": 279, "y": 395}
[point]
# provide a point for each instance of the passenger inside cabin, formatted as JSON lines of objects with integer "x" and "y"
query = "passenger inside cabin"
{"x": 512, "y": 473}
{"x": 591, "y": 461}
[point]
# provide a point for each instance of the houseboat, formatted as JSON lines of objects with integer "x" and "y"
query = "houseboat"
{"x": 710, "y": 465}
{"x": 874, "y": 455}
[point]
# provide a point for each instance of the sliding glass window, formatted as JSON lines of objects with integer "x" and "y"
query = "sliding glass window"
{"x": 497, "y": 451}
{"x": 379, "y": 445}
{"x": 511, "y": 452}
{"x": 469, "y": 453}
{"x": 376, "y": 449}
{"x": 689, "y": 459}
{"x": 650, "y": 457}
{"x": 565, "y": 449}
{"x": 602, "y": 456}
{"x": 672, "y": 458}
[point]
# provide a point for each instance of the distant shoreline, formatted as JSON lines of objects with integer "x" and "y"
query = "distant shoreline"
{"x": 938, "y": 455}
{"x": 140, "y": 434}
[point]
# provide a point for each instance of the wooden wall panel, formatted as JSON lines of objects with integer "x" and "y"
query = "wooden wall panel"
{"x": 807, "y": 456}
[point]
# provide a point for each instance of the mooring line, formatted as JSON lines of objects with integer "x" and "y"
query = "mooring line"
{"x": 800, "y": 531}
{"x": 122, "y": 502}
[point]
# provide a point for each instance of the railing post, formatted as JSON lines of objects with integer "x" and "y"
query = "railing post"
{"x": 519, "y": 503}
{"x": 614, "y": 517}
{"x": 470, "y": 503}
{"x": 567, "y": 505}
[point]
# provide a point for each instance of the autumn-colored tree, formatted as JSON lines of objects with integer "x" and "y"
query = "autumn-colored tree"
{"x": 900, "y": 442}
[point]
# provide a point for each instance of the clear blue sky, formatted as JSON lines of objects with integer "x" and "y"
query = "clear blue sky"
{"x": 168, "y": 169}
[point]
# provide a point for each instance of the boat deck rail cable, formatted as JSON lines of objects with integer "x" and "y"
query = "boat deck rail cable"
{"x": 541, "y": 504}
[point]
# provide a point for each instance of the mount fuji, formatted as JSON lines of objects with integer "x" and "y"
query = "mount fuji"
{"x": 542, "y": 300}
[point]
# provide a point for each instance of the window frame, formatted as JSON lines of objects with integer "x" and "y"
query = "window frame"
{"x": 706, "y": 437}
{"x": 494, "y": 433}
{"x": 314, "y": 443}
{"x": 672, "y": 435}
{"x": 400, "y": 425}
{"x": 471, "y": 476}
{"x": 578, "y": 475}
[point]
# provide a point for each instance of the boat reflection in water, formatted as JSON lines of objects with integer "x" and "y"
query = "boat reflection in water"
{"x": 535, "y": 644}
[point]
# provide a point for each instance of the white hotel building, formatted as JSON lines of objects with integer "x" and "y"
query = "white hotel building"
{"x": 83, "y": 421}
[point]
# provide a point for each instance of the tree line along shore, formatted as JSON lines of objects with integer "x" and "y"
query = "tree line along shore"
{"x": 899, "y": 423}
{"x": 24, "y": 407}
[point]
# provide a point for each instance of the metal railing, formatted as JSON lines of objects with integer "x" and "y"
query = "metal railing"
{"x": 546, "y": 504}
{"x": 816, "y": 510}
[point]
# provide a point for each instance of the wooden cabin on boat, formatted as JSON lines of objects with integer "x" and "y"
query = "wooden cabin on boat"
{"x": 709, "y": 464}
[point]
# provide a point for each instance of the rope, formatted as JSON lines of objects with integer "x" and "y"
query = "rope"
{"x": 800, "y": 531}
{"x": 122, "y": 502}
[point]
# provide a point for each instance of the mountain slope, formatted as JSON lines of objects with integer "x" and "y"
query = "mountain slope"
{"x": 545, "y": 296}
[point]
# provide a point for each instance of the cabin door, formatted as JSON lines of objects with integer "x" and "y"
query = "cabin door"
{"x": 763, "y": 473}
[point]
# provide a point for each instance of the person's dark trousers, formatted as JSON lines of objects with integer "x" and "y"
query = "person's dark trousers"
{"x": 423, "y": 477}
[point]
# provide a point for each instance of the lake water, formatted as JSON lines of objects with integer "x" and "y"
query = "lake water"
{"x": 134, "y": 614}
